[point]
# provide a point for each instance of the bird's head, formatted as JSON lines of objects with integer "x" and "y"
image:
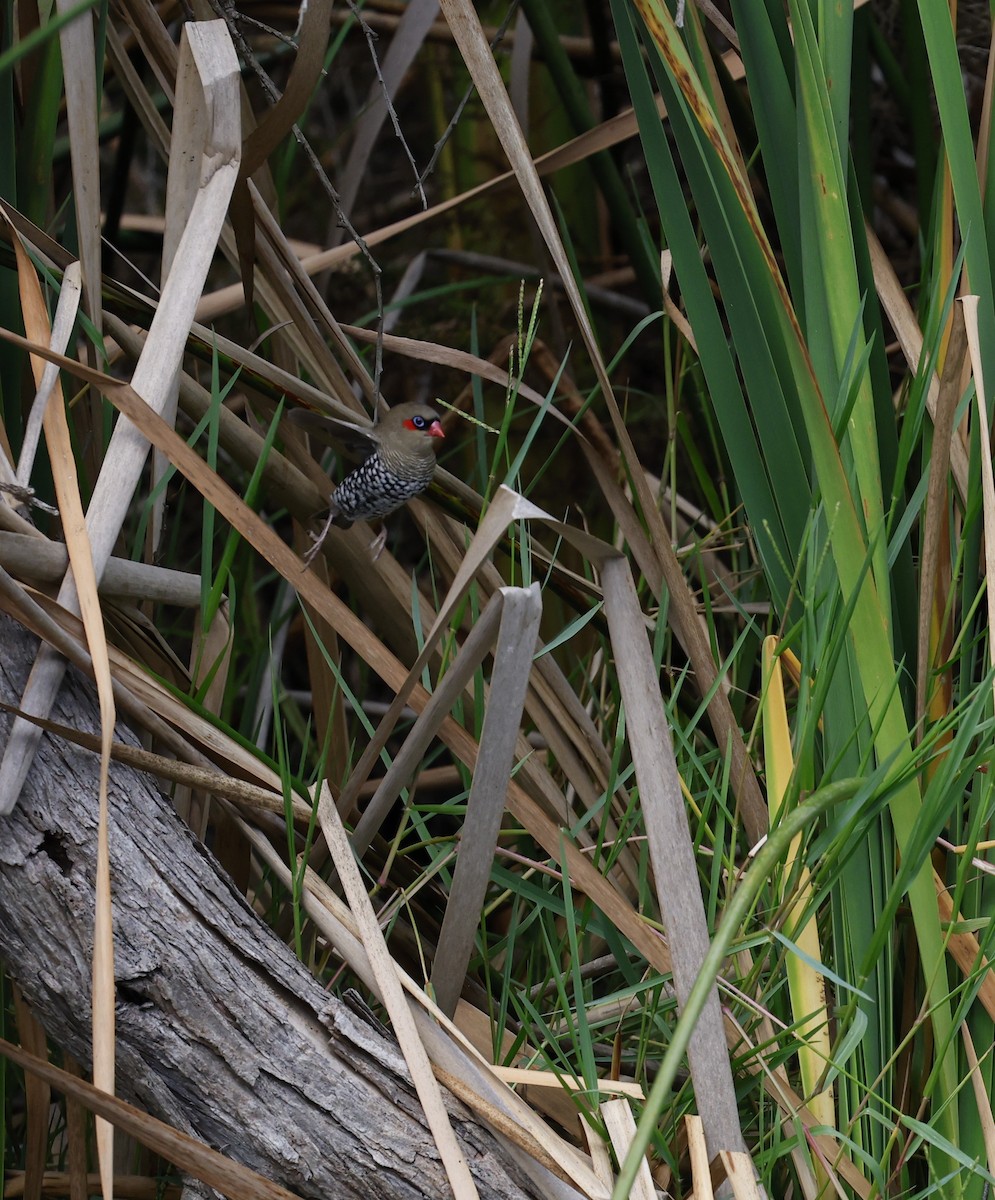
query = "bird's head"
{"x": 410, "y": 429}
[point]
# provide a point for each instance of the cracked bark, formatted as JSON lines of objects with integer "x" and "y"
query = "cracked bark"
{"x": 220, "y": 1030}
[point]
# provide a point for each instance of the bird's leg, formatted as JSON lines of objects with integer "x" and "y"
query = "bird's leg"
{"x": 318, "y": 538}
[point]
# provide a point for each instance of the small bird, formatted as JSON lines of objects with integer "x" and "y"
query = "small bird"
{"x": 397, "y": 462}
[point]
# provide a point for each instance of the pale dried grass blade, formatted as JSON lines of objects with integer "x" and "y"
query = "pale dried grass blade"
{"x": 275, "y": 123}
{"x": 987, "y": 475}
{"x": 210, "y": 658}
{"x": 903, "y": 321}
{"x": 392, "y": 995}
{"x": 209, "y": 46}
{"x": 674, "y": 868}
{"x": 963, "y": 948}
{"x": 675, "y": 314}
{"x": 740, "y": 1175}
{"x": 209, "y": 81}
{"x": 158, "y": 50}
{"x": 457, "y": 360}
{"x": 600, "y": 1158}
{"x": 202, "y": 80}
{"x": 981, "y": 1099}
{"x": 62, "y": 329}
{"x": 521, "y": 611}
{"x": 66, "y": 481}
{"x": 139, "y": 97}
{"x": 621, "y": 1128}
{"x": 41, "y": 561}
{"x": 533, "y": 1077}
{"x": 935, "y": 520}
{"x": 520, "y": 68}
{"x": 701, "y": 1176}
{"x": 79, "y": 66}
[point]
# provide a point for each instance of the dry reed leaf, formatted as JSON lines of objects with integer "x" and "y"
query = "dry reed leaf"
{"x": 189, "y": 1155}
{"x": 139, "y": 97}
{"x": 392, "y": 996}
{"x": 896, "y": 305}
{"x": 970, "y": 304}
{"x": 274, "y": 125}
{"x": 210, "y": 657}
{"x": 674, "y": 867}
{"x": 600, "y": 1157}
{"x": 963, "y": 948}
{"x": 457, "y": 360}
{"x": 297, "y": 295}
{"x": 158, "y": 50}
{"x": 66, "y": 310}
{"x": 209, "y": 48}
{"x": 935, "y": 527}
{"x": 701, "y": 1176}
{"x": 621, "y": 1126}
{"x": 66, "y": 481}
{"x": 521, "y": 611}
{"x": 985, "y": 1117}
{"x": 533, "y": 1077}
{"x": 80, "y": 71}
{"x": 672, "y": 311}
{"x": 740, "y": 1174}
{"x": 38, "y": 560}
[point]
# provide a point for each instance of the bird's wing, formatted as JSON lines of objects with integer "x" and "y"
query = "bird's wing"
{"x": 354, "y": 441}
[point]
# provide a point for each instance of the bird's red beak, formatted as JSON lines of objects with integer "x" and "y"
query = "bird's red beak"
{"x": 436, "y": 430}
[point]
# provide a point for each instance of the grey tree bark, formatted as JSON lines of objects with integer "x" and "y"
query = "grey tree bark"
{"x": 220, "y": 1030}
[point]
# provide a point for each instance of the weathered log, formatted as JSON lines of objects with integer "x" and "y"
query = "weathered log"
{"x": 220, "y": 1029}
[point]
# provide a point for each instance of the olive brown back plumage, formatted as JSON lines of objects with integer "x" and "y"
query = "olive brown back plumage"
{"x": 398, "y": 456}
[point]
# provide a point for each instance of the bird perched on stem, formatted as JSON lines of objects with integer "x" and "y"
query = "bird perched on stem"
{"x": 397, "y": 462}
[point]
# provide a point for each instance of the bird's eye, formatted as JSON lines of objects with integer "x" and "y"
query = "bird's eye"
{"x": 419, "y": 422}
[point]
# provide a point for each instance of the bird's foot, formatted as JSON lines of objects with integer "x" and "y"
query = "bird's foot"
{"x": 318, "y": 538}
{"x": 377, "y": 545}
